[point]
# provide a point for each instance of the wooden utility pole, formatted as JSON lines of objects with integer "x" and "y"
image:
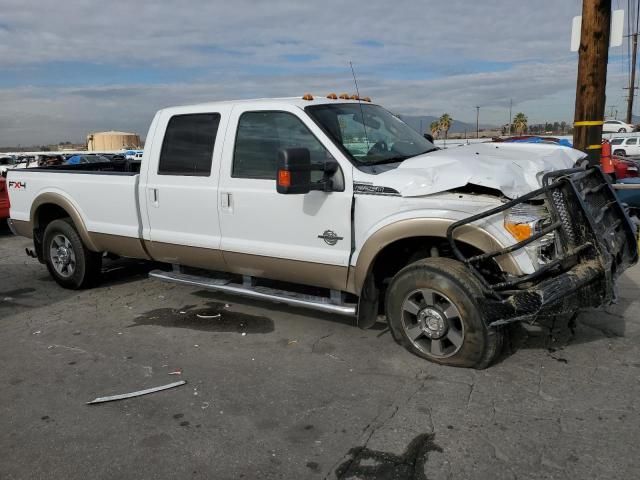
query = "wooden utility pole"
{"x": 632, "y": 83}
{"x": 592, "y": 78}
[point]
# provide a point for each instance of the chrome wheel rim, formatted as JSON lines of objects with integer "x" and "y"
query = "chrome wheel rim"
{"x": 432, "y": 323}
{"x": 63, "y": 258}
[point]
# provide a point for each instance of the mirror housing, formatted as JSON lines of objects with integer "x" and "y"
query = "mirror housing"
{"x": 294, "y": 171}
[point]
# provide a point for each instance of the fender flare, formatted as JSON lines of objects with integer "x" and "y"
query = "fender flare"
{"x": 51, "y": 198}
{"x": 424, "y": 227}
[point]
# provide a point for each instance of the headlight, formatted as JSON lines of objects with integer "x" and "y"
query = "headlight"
{"x": 523, "y": 220}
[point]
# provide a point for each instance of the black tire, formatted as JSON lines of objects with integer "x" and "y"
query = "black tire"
{"x": 452, "y": 285}
{"x": 85, "y": 270}
{"x": 621, "y": 153}
{"x": 622, "y": 130}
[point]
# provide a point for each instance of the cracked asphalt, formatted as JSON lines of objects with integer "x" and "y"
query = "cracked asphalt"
{"x": 279, "y": 393}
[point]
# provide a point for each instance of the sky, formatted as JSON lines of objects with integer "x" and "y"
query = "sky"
{"x": 68, "y": 68}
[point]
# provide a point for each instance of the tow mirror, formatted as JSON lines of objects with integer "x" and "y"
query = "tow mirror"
{"x": 294, "y": 171}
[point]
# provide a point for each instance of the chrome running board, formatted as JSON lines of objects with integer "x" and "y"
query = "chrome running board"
{"x": 323, "y": 304}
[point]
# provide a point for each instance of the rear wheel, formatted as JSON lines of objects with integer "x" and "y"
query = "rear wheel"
{"x": 622, "y": 130}
{"x": 69, "y": 262}
{"x": 432, "y": 311}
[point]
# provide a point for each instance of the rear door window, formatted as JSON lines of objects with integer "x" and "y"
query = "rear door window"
{"x": 632, "y": 141}
{"x": 187, "y": 148}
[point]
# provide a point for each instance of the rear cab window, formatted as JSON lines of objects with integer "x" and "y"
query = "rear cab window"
{"x": 187, "y": 148}
{"x": 617, "y": 141}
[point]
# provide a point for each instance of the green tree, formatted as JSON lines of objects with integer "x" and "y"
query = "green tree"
{"x": 520, "y": 123}
{"x": 563, "y": 126}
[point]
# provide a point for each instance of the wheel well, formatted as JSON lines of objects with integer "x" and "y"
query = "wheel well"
{"x": 45, "y": 214}
{"x": 397, "y": 255}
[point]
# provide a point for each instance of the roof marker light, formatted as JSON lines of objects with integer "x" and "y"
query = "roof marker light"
{"x": 332, "y": 96}
{"x": 366, "y": 99}
{"x": 344, "y": 96}
{"x": 307, "y": 96}
{"x": 354, "y": 97}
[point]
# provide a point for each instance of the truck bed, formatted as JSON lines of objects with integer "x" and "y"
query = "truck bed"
{"x": 105, "y": 195}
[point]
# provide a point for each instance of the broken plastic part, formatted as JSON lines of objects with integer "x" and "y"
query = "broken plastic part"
{"x": 136, "y": 394}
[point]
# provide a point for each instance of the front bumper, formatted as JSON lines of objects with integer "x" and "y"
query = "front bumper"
{"x": 597, "y": 244}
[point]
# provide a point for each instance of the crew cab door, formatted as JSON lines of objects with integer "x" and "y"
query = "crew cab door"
{"x": 302, "y": 238}
{"x": 180, "y": 189}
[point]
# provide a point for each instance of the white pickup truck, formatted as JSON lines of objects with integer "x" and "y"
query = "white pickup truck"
{"x": 341, "y": 195}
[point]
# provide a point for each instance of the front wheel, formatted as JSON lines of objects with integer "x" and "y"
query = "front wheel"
{"x": 69, "y": 262}
{"x": 432, "y": 311}
{"x": 620, "y": 153}
{"x": 622, "y": 130}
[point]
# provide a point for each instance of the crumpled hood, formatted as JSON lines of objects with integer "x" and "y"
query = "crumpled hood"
{"x": 514, "y": 169}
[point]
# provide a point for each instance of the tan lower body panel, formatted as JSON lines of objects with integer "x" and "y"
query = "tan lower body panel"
{"x": 294, "y": 271}
{"x": 196, "y": 257}
{"x": 22, "y": 228}
{"x": 123, "y": 246}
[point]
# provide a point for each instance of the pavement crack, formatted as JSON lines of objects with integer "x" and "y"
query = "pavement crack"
{"x": 315, "y": 344}
{"x": 472, "y": 387}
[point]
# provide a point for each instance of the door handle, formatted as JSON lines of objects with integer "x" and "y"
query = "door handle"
{"x": 226, "y": 200}
{"x": 153, "y": 196}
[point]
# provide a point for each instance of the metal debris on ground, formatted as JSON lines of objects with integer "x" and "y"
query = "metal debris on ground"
{"x": 177, "y": 371}
{"x": 136, "y": 394}
{"x": 217, "y": 315}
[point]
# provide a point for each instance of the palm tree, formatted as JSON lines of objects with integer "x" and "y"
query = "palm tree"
{"x": 445, "y": 123}
{"x": 520, "y": 123}
{"x": 435, "y": 128}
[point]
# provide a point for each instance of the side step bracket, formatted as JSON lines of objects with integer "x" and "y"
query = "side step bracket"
{"x": 246, "y": 289}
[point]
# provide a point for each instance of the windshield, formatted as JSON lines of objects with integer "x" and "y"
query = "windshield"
{"x": 369, "y": 133}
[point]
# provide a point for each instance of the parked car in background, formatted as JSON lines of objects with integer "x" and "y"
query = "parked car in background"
{"x": 4, "y": 199}
{"x": 625, "y": 146}
{"x": 27, "y": 161}
{"x": 624, "y": 168}
{"x": 630, "y": 197}
{"x": 80, "y": 159}
{"x": 6, "y": 162}
{"x": 616, "y": 126}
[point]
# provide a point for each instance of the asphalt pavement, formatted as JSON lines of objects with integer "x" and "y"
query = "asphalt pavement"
{"x": 275, "y": 392}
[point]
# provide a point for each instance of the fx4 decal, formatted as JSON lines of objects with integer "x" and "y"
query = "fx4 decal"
{"x": 17, "y": 185}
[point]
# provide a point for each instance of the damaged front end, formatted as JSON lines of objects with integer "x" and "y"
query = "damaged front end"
{"x": 593, "y": 243}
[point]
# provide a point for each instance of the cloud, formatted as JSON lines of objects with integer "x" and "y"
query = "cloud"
{"x": 76, "y": 66}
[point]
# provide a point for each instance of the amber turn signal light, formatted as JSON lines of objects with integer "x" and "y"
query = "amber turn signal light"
{"x": 520, "y": 231}
{"x": 284, "y": 178}
{"x": 307, "y": 96}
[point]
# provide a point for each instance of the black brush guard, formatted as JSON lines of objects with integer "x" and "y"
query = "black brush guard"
{"x": 595, "y": 243}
